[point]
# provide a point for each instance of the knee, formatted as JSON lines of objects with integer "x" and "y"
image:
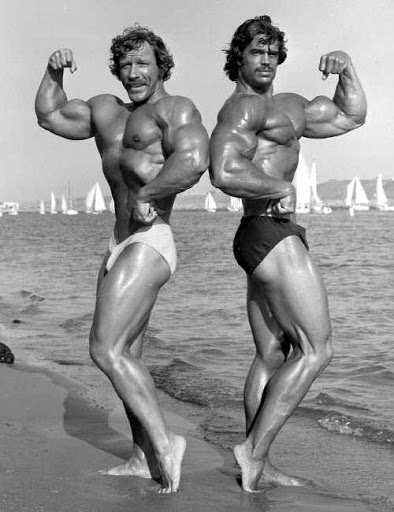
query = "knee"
{"x": 322, "y": 354}
{"x": 100, "y": 353}
{"x": 316, "y": 353}
{"x": 271, "y": 359}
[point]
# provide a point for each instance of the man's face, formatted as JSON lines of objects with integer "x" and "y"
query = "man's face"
{"x": 260, "y": 60}
{"x": 139, "y": 73}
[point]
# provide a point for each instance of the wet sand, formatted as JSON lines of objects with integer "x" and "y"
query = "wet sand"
{"x": 53, "y": 445}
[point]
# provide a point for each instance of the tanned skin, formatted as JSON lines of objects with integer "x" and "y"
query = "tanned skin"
{"x": 151, "y": 148}
{"x": 254, "y": 155}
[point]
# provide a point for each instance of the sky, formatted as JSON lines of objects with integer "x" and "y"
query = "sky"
{"x": 34, "y": 162}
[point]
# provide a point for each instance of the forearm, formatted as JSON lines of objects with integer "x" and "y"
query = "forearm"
{"x": 50, "y": 95}
{"x": 350, "y": 96}
{"x": 245, "y": 180}
{"x": 180, "y": 172}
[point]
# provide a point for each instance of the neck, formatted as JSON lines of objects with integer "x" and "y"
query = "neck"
{"x": 265, "y": 90}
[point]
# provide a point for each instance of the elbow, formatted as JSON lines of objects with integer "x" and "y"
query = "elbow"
{"x": 220, "y": 180}
{"x": 198, "y": 163}
{"x": 360, "y": 121}
{"x": 43, "y": 121}
{"x": 42, "y": 124}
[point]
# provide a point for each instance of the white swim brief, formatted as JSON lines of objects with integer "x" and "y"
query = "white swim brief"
{"x": 157, "y": 235}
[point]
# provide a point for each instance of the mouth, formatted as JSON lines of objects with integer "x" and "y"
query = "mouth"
{"x": 136, "y": 86}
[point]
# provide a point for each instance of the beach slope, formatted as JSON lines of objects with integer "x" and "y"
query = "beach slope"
{"x": 53, "y": 444}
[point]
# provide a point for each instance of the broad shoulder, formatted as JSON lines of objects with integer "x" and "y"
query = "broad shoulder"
{"x": 105, "y": 101}
{"x": 289, "y": 99}
{"x": 243, "y": 110}
{"x": 177, "y": 110}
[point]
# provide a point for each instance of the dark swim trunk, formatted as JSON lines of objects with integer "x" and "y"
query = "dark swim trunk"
{"x": 257, "y": 235}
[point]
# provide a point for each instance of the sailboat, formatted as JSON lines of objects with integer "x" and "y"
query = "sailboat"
{"x": 70, "y": 210}
{"x": 89, "y": 200}
{"x": 53, "y": 204}
{"x": 42, "y": 208}
{"x": 381, "y": 198}
{"x": 235, "y": 204}
{"x": 210, "y": 204}
{"x": 112, "y": 206}
{"x": 63, "y": 207}
{"x": 94, "y": 202}
{"x": 316, "y": 204}
{"x": 360, "y": 202}
{"x": 303, "y": 186}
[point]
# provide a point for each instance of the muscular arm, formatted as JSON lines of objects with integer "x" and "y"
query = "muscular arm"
{"x": 186, "y": 144}
{"x": 348, "y": 108}
{"x": 233, "y": 145}
{"x": 68, "y": 118}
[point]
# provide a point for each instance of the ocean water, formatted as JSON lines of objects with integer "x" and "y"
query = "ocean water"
{"x": 198, "y": 346}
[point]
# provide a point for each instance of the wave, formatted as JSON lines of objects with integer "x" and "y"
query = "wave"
{"x": 30, "y": 297}
{"x": 75, "y": 324}
{"x": 189, "y": 383}
{"x": 356, "y": 427}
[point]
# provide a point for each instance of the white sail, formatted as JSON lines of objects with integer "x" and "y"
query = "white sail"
{"x": 361, "y": 196}
{"x": 70, "y": 209}
{"x": 99, "y": 203}
{"x": 381, "y": 198}
{"x": 210, "y": 204}
{"x": 42, "y": 208}
{"x": 235, "y": 204}
{"x": 315, "y": 199}
{"x": 89, "y": 200}
{"x": 112, "y": 206}
{"x": 303, "y": 186}
{"x": 64, "y": 206}
{"x": 360, "y": 200}
{"x": 350, "y": 192}
{"x": 53, "y": 204}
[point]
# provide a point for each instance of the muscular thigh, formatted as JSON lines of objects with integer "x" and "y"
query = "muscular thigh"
{"x": 294, "y": 290}
{"x": 128, "y": 292}
{"x": 268, "y": 336}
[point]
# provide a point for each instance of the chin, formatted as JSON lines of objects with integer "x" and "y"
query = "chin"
{"x": 138, "y": 98}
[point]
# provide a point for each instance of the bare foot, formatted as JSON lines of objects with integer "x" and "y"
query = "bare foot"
{"x": 170, "y": 465}
{"x": 251, "y": 470}
{"x": 137, "y": 465}
{"x": 271, "y": 474}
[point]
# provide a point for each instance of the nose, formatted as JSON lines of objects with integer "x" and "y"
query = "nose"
{"x": 134, "y": 71}
{"x": 265, "y": 58}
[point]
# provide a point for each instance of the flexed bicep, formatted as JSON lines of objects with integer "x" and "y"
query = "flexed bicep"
{"x": 71, "y": 119}
{"x": 348, "y": 108}
{"x": 325, "y": 119}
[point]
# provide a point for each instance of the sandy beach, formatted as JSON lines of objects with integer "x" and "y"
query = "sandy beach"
{"x": 53, "y": 445}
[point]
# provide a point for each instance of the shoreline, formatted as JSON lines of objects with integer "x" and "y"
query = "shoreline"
{"x": 54, "y": 442}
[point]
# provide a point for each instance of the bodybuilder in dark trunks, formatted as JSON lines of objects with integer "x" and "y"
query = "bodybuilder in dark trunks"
{"x": 254, "y": 155}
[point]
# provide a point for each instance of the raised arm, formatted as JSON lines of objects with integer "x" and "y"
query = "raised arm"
{"x": 185, "y": 143}
{"x": 68, "y": 118}
{"x": 348, "y": 108}
{"x": 233, "y": 146}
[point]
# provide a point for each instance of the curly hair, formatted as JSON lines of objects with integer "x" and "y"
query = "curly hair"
{"x": 134, "y": 37}
{"x": 244, "y": 35}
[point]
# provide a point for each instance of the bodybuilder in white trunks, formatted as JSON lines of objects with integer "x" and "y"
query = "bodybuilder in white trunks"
{"x": 151, "y": 149}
